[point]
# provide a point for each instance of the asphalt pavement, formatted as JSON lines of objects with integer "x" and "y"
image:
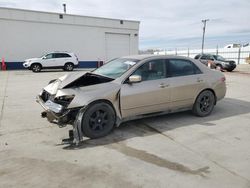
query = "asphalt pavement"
{"x": 176, "y": 150}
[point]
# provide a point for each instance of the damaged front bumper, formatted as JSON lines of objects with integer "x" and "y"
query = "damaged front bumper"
{"x": 56, "y": 113}
{"x": 70, "y": 116}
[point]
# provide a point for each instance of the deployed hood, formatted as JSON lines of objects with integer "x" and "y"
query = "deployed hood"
{"x": 84, "y": 87}
{"x": 68, "y": 78}
{"x": 76, "y": 80}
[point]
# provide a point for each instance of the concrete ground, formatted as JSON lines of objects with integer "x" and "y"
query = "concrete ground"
{"x": 177, "y": 150}
{"x": 243, "y": 68}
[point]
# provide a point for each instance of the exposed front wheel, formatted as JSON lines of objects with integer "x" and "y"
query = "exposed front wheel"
{"x": 36, "y": 67}
{"x": 68, "y": 67}
{"x": 204, "y": 103}
{"x": 98, "y": 120}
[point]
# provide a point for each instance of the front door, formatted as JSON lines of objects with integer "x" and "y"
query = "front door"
{"x": 150, "y": 95}
{"x": 48, "y": 60}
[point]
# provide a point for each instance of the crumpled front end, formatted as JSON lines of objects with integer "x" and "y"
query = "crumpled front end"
{"x": 56, "y": 108}
{"x": 65, "y": 100}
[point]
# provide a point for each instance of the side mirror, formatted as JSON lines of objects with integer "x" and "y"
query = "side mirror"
{"x": 44, "y": 57}
{"x": 134, "y": 79}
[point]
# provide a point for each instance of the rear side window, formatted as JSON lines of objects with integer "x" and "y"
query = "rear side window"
{"x": 204, "y": 57}
{"x": 61, "y": 55}
{"x": 180, "y": 67}
{"x": 210, "y": 57}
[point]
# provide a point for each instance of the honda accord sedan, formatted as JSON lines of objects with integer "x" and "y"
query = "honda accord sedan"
{"x": 129, "y": 88}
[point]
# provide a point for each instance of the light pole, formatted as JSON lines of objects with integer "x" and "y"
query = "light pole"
{"x": 64, "y": 8}
{"x": 203, "y": 36}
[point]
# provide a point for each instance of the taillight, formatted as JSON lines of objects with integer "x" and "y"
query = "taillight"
{"x": 223, "y": 79}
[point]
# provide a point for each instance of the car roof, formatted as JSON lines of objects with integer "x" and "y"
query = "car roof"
{"x": 61, "y": 52}
{"x": 147, "y": 56}
{"x": 206, "y": 54}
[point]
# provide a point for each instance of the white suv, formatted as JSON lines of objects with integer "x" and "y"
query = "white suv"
{"x": 64, "y": 60}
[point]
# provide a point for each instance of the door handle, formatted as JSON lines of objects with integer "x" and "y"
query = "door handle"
{"x": 199, "y": 80}
{"x": 162, "y": 85}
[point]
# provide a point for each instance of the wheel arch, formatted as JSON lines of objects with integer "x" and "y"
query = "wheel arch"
{"x": 208, "y": 89}
{"x": 35, "y": 64}
{"x": 69, "y": 62}
{"x": 102, "y": 101}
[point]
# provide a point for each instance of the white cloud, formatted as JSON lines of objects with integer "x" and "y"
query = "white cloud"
{"x": 164, "y": 23}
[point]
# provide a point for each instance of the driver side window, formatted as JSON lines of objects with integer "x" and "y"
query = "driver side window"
{"x": 48, "y": 56}
{"x": 152, "y": 70}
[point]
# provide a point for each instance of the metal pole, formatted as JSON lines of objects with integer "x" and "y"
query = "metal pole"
{"x": 64, "y": 8}
{"x": 217, "y": 50}
{"x": 203, "y": 36}
{"x": 239, "y": 55}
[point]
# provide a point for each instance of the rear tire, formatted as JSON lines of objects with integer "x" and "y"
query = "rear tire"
{"x": 98, "y": 120}
{"x": 36, "y": 67}
{"x": 204, "y": 103}
{"x": 68, "y": 67}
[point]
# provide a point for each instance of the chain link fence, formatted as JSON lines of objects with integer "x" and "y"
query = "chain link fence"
{"x": 240, "y": 55}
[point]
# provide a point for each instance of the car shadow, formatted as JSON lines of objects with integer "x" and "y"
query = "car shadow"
{"x": 60, "y": 70}
{"x": 226, "y": 108}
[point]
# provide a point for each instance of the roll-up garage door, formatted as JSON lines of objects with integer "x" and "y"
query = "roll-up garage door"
{"x": 117, "y": 45}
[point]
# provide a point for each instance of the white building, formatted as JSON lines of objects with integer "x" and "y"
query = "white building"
{"x": 26, "y": 34}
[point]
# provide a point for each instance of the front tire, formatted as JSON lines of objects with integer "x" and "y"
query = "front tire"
{"x": 204, "y": 103}
{"x": 36, "y": 67}
{"x": 98, "y": 120}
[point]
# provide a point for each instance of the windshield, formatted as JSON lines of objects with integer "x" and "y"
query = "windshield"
{"x": 115, "y": 68}
{"x": 219, "y": 58}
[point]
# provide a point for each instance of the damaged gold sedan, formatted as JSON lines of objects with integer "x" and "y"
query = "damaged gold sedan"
{"x": 130, "y": 88}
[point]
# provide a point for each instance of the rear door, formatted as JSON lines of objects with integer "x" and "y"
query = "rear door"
{"x": 186, "y": 81}
{"x": 61, "y": 59}
{"x": 150, "y": 95}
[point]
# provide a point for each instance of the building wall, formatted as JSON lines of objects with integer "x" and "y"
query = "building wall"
{"x": 25, "y": 34}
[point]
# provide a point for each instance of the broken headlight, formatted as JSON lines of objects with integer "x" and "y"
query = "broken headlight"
{"x": 57, "y": 108}
{"x": 64, "y": 100}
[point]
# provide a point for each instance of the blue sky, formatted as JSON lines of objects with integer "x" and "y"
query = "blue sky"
{"x": 164, "y": 23}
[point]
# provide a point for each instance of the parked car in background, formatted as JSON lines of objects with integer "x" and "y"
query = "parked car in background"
{"x": 129, "y": 88}
{"x": 66, "y": 61}
{"x": 217, "y": 62}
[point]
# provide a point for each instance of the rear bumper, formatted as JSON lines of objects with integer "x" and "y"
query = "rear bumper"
{"x": 220, "y": 91}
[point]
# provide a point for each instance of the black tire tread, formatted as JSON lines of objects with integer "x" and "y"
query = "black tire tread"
{"x": 196, "y": 110}
{"x": 85, "y": 128}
